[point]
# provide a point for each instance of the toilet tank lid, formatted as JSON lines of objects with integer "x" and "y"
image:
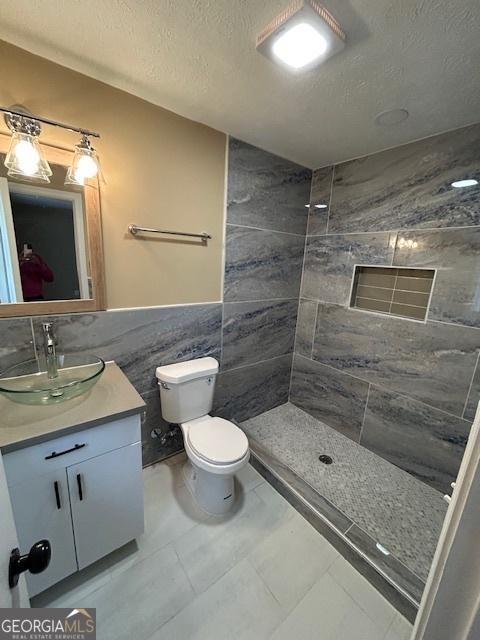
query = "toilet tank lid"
{"x": 184, "y": 371}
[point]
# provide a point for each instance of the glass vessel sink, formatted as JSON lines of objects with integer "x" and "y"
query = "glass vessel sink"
{"x": 29, "y": 383}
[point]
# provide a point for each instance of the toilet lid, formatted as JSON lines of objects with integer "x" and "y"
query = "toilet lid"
{"x": 218, "y": 441}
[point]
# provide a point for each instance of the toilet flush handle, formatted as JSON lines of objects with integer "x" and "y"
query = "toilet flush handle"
{"x": 165, "y": 386}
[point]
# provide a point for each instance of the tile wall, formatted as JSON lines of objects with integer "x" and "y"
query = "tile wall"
{"x": 265, "y": 238}
{"x": 138, "y": 340}
{"x": 406, "y": 390}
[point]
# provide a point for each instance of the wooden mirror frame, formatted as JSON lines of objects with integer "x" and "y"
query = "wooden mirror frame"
{"x": 93, "y": 222}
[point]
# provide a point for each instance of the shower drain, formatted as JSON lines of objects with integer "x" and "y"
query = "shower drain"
{"x": 325, "y": 459}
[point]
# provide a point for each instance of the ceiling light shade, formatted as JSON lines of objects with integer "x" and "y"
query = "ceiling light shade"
{"x": 84, "y": 164}
{"x": 25, "y": 158}
{"x": 301, "y": 37}
{"x": 299, "y": 46}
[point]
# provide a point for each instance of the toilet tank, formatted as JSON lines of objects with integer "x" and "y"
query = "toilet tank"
{"x": 186, "y": 389}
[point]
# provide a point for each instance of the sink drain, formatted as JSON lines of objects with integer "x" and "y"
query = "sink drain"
{"x": 325, "y": 459}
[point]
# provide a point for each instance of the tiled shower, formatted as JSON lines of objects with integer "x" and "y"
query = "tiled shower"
{"x": 390, "y": 399}
{"x": 395, "y": 208}
{"x": 420, "y": 378}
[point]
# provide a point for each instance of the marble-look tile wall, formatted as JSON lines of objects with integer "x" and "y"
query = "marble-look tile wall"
{"x": 138, "y": 340}
{"x": 406, "y": 390}
{"x": 265, "y": 239}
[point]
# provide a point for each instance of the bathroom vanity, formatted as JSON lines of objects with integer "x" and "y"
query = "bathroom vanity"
{"x": 74, "y": 473}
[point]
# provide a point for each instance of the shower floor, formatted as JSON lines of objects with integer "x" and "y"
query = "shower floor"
{"x": 398, "y": 511}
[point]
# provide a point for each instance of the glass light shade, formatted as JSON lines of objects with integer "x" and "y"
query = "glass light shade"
{"x": 84, "y": 165}
{"x": 25, "y": 158}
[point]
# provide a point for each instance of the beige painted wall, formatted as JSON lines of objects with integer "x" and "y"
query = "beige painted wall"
{"x": 160, "y": 170}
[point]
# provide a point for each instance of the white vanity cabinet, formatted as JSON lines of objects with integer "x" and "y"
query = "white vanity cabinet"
{"x": 82, "y": 491}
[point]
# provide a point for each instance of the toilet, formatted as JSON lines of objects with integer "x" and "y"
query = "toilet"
{"x": 216, "y": 448}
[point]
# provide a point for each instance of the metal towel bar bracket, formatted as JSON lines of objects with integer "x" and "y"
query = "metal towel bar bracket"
{"x": 134, "y": 229}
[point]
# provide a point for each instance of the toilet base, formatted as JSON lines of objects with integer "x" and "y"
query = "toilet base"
{"x": 214, "y": 493}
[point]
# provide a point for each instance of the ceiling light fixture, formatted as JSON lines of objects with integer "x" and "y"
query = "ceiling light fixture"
{"x": 304, "y": 35}
{"x": 299, "y": 45}
{"x": 321, "y": 206}
{"x": 469, "y": 182}
{"x": 25, "y": 157}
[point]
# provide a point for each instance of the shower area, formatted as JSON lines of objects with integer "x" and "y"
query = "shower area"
{"x": 350, "y": 341}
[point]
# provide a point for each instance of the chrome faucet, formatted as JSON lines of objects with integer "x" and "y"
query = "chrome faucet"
{"x": 49, "y": 346}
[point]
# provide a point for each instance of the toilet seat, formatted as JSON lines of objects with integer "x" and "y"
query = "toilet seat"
{"x": 215, "y": 440}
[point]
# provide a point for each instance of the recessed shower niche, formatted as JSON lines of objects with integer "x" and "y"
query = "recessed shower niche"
{"x": 403, "y": 292}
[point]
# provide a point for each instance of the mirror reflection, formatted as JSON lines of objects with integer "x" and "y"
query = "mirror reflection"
{"x": 43, "y": 252}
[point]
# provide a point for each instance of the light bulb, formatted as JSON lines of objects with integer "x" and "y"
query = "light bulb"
{"x": 25, "y": 158}
{"x": 28, "y": 158}
{"x": 87, "y": 167}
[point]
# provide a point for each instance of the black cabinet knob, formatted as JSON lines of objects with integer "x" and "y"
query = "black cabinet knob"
{"x": 35, "y": 561}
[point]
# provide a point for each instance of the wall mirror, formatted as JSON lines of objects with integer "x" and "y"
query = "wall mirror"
{"x": 51, "y": 254}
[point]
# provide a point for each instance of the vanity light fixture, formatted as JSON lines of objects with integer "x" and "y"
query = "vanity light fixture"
{"x": 84, "y": 164}
{"x": 25, "y": 158}
{"x": 304, "y": 35}
{"x": 459, "y": 184}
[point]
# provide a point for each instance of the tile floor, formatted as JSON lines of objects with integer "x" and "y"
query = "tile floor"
{"x": 261, "y": 572}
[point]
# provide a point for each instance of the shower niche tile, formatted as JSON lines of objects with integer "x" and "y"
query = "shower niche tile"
{"x": 393, "y": 291}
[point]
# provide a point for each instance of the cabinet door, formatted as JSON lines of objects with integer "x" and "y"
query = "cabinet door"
{"x": 41, "y": 509}
{"x": 106, "y": 495}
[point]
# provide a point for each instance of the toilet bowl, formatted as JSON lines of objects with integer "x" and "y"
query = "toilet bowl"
{"x": 216, "y": 448}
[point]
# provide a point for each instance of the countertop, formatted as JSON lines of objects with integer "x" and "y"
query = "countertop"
{"x": 112, "y": 398}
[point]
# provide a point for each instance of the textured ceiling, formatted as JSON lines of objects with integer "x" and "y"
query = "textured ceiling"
{"x": 198, "y": 59}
